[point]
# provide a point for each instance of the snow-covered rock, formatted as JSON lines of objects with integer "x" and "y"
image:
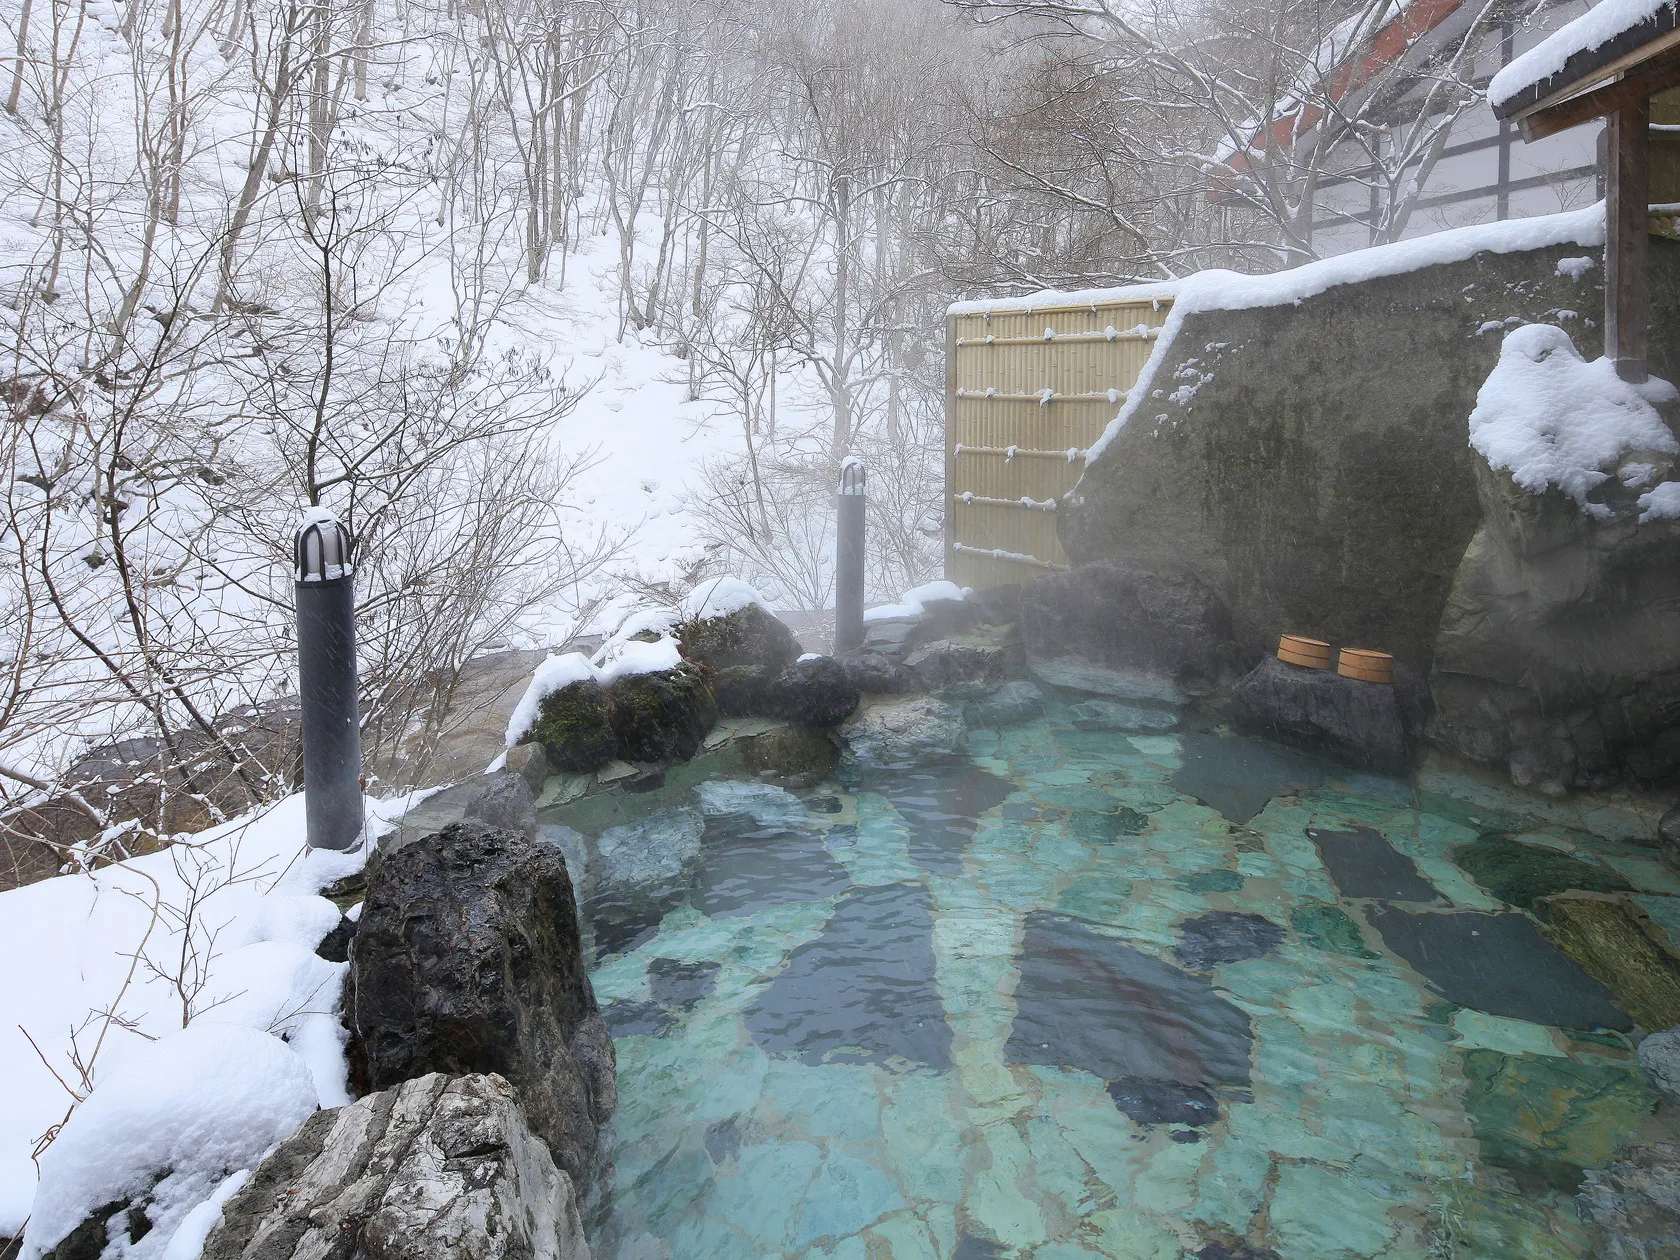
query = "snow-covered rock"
{"x": 662, "y": 716}
{"x": 164, "y": 1131}
{"x": 437, "y": 1168}
{"x": 633, "y": 656}
{"x": 1550, "y": 418}
{"x": 719, "y": 597}
{"x": 553, "y": 674}
{"x": 914, "y": 602}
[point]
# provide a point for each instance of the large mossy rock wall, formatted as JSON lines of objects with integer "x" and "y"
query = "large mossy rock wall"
{"x": 1311, "y": 463}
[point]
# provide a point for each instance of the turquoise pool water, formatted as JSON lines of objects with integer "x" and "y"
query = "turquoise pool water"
{"x": 1093, "y": 995}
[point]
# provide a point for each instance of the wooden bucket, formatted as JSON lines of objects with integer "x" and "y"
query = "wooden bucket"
{"x": 1376, "y": 667}
{"x": 1308, "y": 653}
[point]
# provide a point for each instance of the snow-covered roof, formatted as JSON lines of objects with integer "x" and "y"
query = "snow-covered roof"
{"x": 1609, "y": 30}
{"x": 1056, "y": 299}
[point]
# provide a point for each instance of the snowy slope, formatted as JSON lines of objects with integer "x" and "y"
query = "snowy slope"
{"x": 221, "y": 930}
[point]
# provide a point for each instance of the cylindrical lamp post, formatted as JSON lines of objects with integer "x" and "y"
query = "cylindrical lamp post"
{"x": 326, "y": 625}
{"x": 848, "y": 558}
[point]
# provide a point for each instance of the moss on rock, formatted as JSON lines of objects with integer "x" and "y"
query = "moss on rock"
{"x": 1616, "y": 943}
{"x": 748, "y": 636}
{"x": 574, "y": 729}
{"x": 793, "y": 755}
{"x": 663, "y": 716}
{"x": 1522, "y": 873}
{"x": 742, "y": 690}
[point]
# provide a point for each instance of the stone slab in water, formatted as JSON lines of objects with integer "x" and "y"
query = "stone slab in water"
{"x": 674, "y": 988}
{"x": 1364, "y": 864}
{"x": 1225, "y": 936}
{"x": 863, "y": 991}
{"x": 1238, "y": 777}
{"x": 942, "y": 809}
{"x": 1150, "y": 1101}
{"x": 1112, "y": 715}
{"x": 682, "y": 984}
{"x": 1088, "y": 1001}
{"x": 747, "y": 868}
{"x": 1499, "y": 964}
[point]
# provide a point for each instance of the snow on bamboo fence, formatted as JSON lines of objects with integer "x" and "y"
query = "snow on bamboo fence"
{"x": 1030, "y": 383}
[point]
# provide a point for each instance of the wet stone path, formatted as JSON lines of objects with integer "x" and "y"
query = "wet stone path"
{"x": 1094, "y": 995}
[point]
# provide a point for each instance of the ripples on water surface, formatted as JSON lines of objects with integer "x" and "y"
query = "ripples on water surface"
{"x": 1053, "y": 1002}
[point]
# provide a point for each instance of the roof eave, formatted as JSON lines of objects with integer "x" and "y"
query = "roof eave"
{"x": 1591, "y": 63}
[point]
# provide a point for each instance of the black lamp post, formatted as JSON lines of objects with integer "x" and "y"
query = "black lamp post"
{"x": 848, "y": 558}
{"x": 332, "y": 737}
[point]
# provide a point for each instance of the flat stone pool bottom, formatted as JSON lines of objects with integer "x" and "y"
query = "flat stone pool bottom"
{"x": 1046, "y": 1003}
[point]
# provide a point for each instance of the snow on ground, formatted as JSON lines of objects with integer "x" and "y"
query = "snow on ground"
{"x": 1553, "y": 419}
{"x": 106, "y": 969}
{"x": 206, "y": 1103}
{"x": 645, "y": 438}
{"x": 1232, "y": 291}
{"x": 1593, "y": 29}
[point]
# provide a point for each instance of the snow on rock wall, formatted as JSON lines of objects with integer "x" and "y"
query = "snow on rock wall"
{"x": 1307, "y": 455}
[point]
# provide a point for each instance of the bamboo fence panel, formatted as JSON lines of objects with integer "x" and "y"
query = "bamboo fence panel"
{"x": 1027, "y": 390}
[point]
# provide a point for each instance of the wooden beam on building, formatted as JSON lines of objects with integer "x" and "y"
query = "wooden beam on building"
{"x": 1627, "y": 238}
{"x": 1657, "y": 73}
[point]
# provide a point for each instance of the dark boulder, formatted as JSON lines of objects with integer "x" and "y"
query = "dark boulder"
{"x": 662, "y": 716}
{"x": 965, "y": 666}
{"x": 997, "y": 605}
{"x": 742, "y": 690}
{"x": 574, "y": 728}
{"x": 874, "y": 674}
{"x": 1362, "y": 722}
{"x": 889, "y": 636}
{"x": 467, "y": 959}
{"x": 1668, "y": 837}
{"x": 815, "y": 693}
{"x": 1139, "y": 634}
{"x": 748, "y": 636}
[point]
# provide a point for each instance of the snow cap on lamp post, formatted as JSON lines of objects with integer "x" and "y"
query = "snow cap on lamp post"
{"x": 852, "y": 475}
{"x": 323, "y": 549}
{"x": 325, "y": 590}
